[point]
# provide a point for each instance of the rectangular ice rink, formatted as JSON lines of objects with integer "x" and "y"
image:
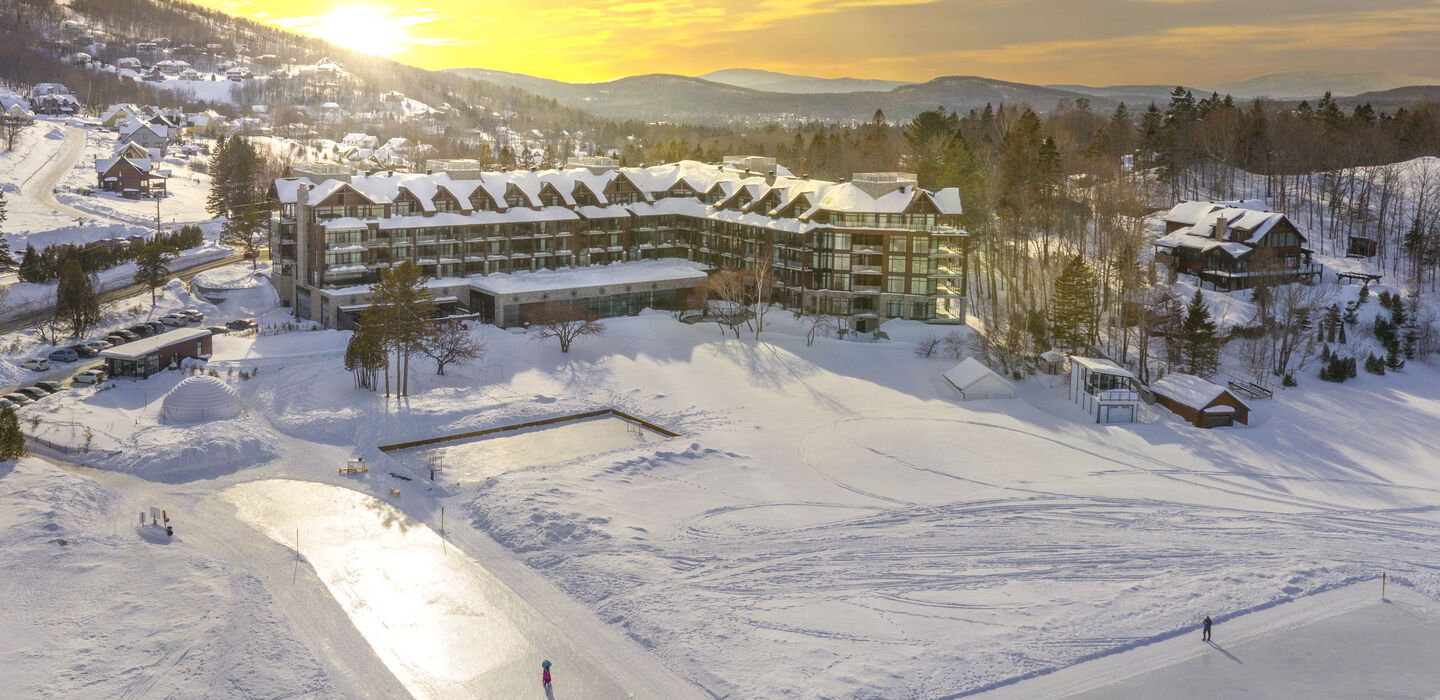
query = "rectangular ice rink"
{"x": 478, "y": 459}
{"x": 1382, "y": 650}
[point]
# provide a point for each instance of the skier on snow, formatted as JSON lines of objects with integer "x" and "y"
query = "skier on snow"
{"x": 545, "y": 673}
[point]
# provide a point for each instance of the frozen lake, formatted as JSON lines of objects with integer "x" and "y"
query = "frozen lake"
{"x": 478, "y": 459}
{"x": 444, "y": 625}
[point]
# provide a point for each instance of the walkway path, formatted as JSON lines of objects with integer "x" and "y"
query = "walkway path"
{"x": 40, "y": 186}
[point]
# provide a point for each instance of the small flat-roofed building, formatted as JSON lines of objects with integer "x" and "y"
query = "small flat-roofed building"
{"x": 1202, "y": 403}
{"x": 620, "y": 289}
{"x": 1106, "y": 391}
{"x": 1051, "y": 362}
{"x": 148, "y": 356}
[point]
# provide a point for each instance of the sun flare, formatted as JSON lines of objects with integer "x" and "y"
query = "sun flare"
{"x": 364, "y": 28}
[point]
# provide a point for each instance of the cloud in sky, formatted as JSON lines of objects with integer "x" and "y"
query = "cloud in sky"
{"x": 1042, "y": 41}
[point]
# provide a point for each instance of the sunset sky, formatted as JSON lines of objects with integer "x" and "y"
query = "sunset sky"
{"x": 1038, "y": 41}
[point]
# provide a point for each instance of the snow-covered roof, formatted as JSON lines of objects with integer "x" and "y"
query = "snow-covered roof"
{"x": 625, "y": 273}
{"x": 973, "y": 378}
{"x": 1101, "y": 365}
{"x": 651, "y": 181}
{"x": 1188, "y": 390}
{"x": 154, "y": 343}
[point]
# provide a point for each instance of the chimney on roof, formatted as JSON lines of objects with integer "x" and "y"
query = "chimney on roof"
{"x": 1222, "y": 226}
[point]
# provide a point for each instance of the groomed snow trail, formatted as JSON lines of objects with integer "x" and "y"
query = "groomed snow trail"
{"x": 40, "y": 185}
{"x": 445, "y": 626}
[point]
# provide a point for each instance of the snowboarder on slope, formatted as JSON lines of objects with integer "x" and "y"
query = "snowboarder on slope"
{"x": 1205, "y": 636}
{"x": 545, "y": 673}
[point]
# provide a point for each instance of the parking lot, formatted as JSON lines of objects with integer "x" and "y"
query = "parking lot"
{"x": 60, "y": 375}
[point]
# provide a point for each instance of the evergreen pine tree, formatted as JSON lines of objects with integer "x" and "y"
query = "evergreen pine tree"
{"x": 151, "y": 268}
{"x": 31, "y": 267}
{"x": 221, "y": 173}
{"x": 1072, "y": 319}
{"x": 75, "y": 300}
{"x": 7, "y": 263}
{"x": 1200, "y": 346}
{"x": 12, "y": 441}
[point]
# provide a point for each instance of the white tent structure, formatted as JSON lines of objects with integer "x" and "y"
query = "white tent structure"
{"x": 200, "y": 398}
{"x": 976, "y": 381}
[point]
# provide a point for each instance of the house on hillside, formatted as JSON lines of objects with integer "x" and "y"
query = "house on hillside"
{"x": 1106, "y": 391}
{"x": 207, "y": 123}
{"x": 146, "y": 134}
{"x": 975, "y": 381}
{"x": 53, "y": 99}
{"x": 131, "y": 177}
{"x": 129, "y": 63}
{"x": 1201, "y": 403}
{"x": 118, "y": 114}
{"x": 1230, "y": 244}
{"x": 135, "y": 150}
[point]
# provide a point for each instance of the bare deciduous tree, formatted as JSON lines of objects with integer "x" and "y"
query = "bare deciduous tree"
{"x": 451, "y": 342}
{"x": 565, "y": 323}
{"x": 728, "y": 295}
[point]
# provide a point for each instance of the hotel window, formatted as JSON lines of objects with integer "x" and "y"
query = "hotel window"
{"x": 897, "y": 264}
{"x": 919, "y": 266}
{"x": 917, "y": 286}
{"x": 842, "y": 241}
{"x": 897, "y": 244}
{"x": 920, "y": 245}
{"x": 895, "y": 285}
{"x": 893, "y": 309}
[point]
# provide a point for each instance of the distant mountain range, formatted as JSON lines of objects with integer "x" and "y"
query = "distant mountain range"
{"x": 678, "y": 98}
{"x": 752, "y": 97}
{"x": 770, "y": 81}
{"x": 1311, "y": 84}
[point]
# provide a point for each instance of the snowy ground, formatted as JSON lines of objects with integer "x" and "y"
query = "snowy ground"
{"x": 829, "y": 510}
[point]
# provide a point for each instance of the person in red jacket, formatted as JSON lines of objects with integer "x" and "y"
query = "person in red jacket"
{"x": 545, "y": 673}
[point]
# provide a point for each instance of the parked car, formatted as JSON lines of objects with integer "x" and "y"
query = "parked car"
{"x": 175, "y": 319}
{"x": 218, "y": 330}
{"x": 49, "y": 386}
{"x": 142, "y": 329}
{"x": 97, "y": 345}
{"x": 34, "y": 393}
{"x": 90, "y": 376}
{"x": 129, "y": 336}
{"x": 248, "y": 255}
{"x": 157, "y": 326}
{"x": 7, "y": 403}
{"x": 19, "y": 399}
{"x": 36, "y": 364}
{"x": 115, "y": 339}
{"x": 193, "y": 314}
{"x": 84, "y": 351}
{"x": 64, "y": 355}
{"x": 241, "y": 324}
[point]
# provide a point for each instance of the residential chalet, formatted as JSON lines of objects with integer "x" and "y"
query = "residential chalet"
{"x": 1230, "y": 244}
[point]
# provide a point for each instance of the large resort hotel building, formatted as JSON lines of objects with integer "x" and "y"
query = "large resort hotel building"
{"x": 505, "y": 245}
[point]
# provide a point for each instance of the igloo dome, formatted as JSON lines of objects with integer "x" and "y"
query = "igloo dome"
{"x": 200, "y": 398}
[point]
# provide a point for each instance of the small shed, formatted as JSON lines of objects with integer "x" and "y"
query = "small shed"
{"x": 148, "y": 356}
{"x": 1051, "y": 362}
{"x": 1203, "y": 403}
{"x": 976, "y": 381}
